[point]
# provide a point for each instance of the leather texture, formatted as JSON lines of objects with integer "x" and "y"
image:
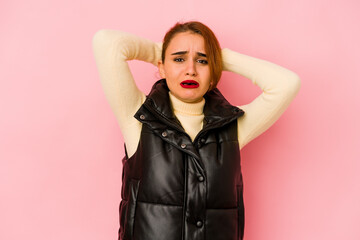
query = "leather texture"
{"x": 174, "y": 188}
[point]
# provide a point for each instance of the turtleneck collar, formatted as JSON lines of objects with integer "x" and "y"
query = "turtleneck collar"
{"x": 217, "y": 110}
{"x": 186, "y": 108}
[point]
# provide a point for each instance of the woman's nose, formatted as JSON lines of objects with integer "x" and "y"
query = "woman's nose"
{"x": 190, "y": 68}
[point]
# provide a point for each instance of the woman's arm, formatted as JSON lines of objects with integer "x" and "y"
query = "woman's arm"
{"x": 279, "y": 86}
{"x": 112, "y": 49}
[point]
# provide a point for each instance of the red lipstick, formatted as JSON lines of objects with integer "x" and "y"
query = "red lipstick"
{"x": 189, "y": 84}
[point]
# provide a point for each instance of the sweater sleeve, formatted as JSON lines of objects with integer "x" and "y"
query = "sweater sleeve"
{"x": 279, "y": 86}
{"x": 112, "y": 48}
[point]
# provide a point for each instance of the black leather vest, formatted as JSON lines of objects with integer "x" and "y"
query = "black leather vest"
{"x": 174, "y": 188}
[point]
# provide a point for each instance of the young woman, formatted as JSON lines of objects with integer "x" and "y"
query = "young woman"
{"x": 181, "y": 174}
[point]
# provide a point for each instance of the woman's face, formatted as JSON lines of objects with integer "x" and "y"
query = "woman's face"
{"x": 186, "y": 68}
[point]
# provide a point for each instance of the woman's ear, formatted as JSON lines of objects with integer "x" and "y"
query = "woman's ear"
{"x": 161, "y": 69}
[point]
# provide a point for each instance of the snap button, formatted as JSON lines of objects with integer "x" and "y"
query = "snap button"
{"x": 183, "y": 145}
{"x": 199, "y": 223}
{"x": 142, "y": 117}
{"x": 201, "y": 142}
{"x": 200, "y": 178}
{"x": 164, "y": 134}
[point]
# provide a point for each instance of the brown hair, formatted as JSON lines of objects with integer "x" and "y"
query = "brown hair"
{"x": 212, "y": 46}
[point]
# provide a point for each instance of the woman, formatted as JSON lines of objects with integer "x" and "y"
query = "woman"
{"x": 181, "y": 173}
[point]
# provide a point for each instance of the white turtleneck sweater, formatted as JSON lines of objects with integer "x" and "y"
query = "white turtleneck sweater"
{"x": 113, "y": 48}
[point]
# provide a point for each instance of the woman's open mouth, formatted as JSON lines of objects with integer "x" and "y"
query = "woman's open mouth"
{"x": 189, "y": 84}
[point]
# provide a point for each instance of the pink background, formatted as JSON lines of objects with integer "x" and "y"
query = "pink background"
{"x": 61, "y": 148}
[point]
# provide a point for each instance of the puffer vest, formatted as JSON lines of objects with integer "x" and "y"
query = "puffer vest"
{"x": 174, "y": 188}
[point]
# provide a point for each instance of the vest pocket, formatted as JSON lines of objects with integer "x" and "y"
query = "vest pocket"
{"x": 240, "y": 209}
{"x": 127, "y": 211}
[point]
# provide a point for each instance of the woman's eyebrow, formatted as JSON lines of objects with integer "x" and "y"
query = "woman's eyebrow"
{"x": 179, "y": 53}
{"x": 185, "y": 52}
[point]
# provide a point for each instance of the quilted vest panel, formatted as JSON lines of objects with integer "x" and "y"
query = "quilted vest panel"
{"x": 178, "y": 189}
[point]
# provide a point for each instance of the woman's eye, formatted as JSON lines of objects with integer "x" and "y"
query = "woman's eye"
{"x": 178, "y": 59}
{"x": 203, "y": 61}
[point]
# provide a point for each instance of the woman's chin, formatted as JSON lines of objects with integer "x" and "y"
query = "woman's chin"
{"x": 191, "y": 99}
{"x": 188, "y": 96}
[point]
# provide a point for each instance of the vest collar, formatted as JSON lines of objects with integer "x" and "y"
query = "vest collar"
{"x": 217, "y": 110}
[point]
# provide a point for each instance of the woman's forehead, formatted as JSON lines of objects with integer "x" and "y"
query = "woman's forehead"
{"x": 186, "y": 42}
